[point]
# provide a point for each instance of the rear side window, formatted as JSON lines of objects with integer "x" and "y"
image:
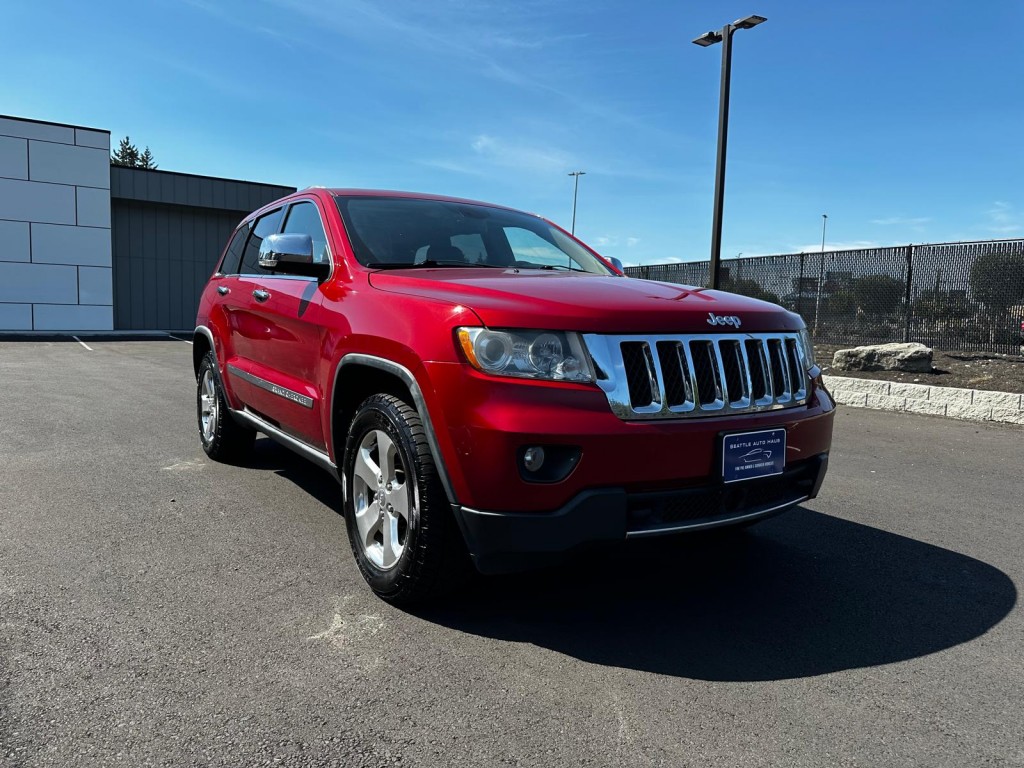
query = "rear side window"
{"x": 233, "y": 256}
{"x": 304, "y": 219}
{"x": 267, "y": 224}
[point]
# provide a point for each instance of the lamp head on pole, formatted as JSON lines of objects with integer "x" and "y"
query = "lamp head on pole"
{"x": 749, "y": 22}
{"x": 708, "y": 38}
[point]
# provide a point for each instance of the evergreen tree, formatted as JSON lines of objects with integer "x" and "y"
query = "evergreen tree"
{"x": 146, "y": 160}
{"x": 127, "y": 154}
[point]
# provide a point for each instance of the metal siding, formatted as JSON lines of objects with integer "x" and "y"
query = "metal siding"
{"x": 180, "y": 196}
{"x": 135, "y": 249}
{"x": 191, "y": 235}
{"x": 176, "y": 305}
{"x": 231, "y": 195}
{"x": 168, "y": 229}
{"x": 153, "y": 187}
{"x": 119, "y": 222}
{"x": 166, "y": 189}
{"x": 163, "y": 270}
{"x": 149, "y": 254}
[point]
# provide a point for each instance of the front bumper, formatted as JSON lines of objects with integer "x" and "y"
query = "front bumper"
{"x": 485, "y": 422}
{"x": 501, "y": 542}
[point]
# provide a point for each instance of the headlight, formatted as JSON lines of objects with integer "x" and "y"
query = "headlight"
{"x": 548, "y": 355}
{"x": 808, "y": 345}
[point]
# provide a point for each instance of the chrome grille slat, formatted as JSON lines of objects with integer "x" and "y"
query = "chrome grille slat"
{"x": 766, "y": 361}
{"x": 684, "y": 345}
{"x": 709, "y": 377}
{"x": 740, "y": 349}
{"x": 676, "y": 375}
{"x": 691, "y": 375}
{"x": 787, "y": 387}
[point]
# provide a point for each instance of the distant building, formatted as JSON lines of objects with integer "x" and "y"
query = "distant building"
{"x": 86, "y": 246}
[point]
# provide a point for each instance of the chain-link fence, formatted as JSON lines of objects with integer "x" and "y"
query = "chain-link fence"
{"x": 953, "y": 296}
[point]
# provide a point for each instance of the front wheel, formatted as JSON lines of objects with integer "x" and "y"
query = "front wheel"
{"x": 399, "y": 524}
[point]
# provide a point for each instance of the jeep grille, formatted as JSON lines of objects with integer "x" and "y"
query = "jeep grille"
{"x": 679, "y": 376}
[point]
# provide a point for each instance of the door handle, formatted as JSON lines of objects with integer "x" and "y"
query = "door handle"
{"x": 223, "y": 290}
{"x": 260, "y": 295}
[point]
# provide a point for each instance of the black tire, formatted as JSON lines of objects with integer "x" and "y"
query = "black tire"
{"x": 227, "y": 441}
{"x": 433, "y": 559}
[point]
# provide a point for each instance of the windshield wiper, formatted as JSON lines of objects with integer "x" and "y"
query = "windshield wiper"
{"x": 528, "y": 265}
{"x": 429, "y": 263}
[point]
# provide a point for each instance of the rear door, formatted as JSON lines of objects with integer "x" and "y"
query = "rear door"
{"x": 230, "y": 303}
{"x": 278, "y": 337}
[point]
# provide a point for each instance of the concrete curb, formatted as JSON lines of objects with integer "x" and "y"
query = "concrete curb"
{"x": 951, "y": 402}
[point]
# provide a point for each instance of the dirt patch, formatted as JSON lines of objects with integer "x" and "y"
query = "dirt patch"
{"x": 970, "y": 370}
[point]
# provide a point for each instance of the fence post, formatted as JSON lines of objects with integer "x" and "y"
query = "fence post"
{"x": 800, "y": 289}
{"x": 910, "y": 277}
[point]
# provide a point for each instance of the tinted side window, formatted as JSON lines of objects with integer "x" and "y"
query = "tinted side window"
{"x": 267, "y": 224}
{"x": 304, "y": 218}
{"x": 233, "y": 256}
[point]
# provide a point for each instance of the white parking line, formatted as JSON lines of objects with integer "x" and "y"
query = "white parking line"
{"x": 82, "y": 343}
{"x": 179, "y": 338}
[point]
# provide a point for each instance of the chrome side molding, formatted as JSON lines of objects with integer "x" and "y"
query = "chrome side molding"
{"x": 288, "y": 394}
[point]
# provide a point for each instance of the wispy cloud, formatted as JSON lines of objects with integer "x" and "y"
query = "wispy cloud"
{"x": 848, "y": 245}
{"x": 1004, "y": 219}
{"x": 670, "y": 260}
{"x": 525, "y": 157}
{"x": 241, "y": 21}
{"x": 533, "y": 43}
{"x": 613, "y": 241}
{"x": 452, "y": 166}
{"x": 508, "y": 43}
{"x": 906, "y": 221}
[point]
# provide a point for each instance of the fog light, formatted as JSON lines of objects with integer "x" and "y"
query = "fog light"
{"x": 547, "y": 463}
{"x": 533, "y": 458}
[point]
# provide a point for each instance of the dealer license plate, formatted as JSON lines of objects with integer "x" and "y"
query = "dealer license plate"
{"x": 749, "y": 455}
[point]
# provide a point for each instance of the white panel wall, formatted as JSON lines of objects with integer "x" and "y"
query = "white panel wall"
{"x": 55, "y": 260}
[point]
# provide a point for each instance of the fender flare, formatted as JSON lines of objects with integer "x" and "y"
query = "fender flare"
{"x": 202, "y": 330}
{"x": 406, "y": 376}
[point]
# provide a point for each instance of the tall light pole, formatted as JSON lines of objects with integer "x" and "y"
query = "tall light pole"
{"x": 725, "y": 38}
{"x": 821, "y": 273}
{"x": 575, "y": 194}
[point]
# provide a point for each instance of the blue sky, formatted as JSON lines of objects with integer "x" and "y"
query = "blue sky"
{"x": 903, "y": 122}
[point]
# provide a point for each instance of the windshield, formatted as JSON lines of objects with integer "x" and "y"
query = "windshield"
{"x": 394, "y": 232}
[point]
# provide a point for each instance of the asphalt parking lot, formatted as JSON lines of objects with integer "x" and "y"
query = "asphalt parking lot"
{"x": 160, "y": 609}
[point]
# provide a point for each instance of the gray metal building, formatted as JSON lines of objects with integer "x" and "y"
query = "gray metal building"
{"x": 167, "y": 230}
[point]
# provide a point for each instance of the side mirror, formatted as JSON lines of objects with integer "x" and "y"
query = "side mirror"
{"x": 291, "y": 254}
{"x": 617, "y": 263}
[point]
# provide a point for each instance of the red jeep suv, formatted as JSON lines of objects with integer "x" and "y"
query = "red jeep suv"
{"x": 483, "y": 384}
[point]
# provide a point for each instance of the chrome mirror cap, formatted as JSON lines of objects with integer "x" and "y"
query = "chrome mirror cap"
{"x": 284, "y": 250}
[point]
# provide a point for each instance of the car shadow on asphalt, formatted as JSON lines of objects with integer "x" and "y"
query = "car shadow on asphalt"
{"x": 270, "y": 456}
{"x": 799, "y": 595}
{"x": 803, "y": 594}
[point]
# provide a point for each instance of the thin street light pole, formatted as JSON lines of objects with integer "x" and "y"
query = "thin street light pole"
{"x": 725, "y": 38}
{"x": 821, "y": 273}
{"x": 575, "y": 194}
{"x": 723, "y": 143}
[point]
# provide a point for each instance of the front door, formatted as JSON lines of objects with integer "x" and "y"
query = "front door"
{"x": 280, "y": 345}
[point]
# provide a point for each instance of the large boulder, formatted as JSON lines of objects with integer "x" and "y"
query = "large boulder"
{"x": 884, "y": 357}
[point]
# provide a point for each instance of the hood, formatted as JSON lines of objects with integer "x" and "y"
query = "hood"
{"x": 588, "y": 303}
